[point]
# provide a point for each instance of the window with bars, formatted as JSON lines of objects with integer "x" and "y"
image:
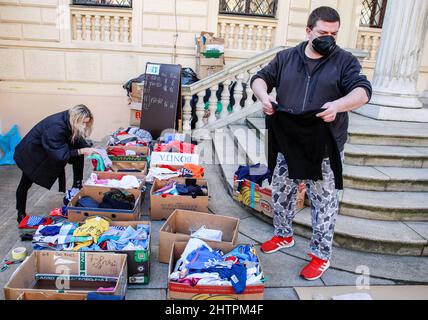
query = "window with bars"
{"x": 262, "y": 8}
{"x": 104, "y": 3}
{"x": 373, "y": 13}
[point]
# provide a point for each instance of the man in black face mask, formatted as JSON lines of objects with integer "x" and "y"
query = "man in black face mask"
{"x": 317, "y": 83}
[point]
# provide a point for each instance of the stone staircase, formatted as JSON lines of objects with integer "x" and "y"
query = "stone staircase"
{"x": 384, "y": 204}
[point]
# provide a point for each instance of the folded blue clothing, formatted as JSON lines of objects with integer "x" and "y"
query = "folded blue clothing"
{"x": 243, "y": 253}
{"x": 202, "y": 257}
{"x": 87, "y": 202}
{"x": 50, "y": 230}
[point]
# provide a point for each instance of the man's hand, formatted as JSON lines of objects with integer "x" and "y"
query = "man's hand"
{"x": 267, "y": 105}
{"x": 329, "y": 115}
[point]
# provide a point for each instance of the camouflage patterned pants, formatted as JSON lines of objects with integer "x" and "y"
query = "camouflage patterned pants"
{"x": 324, "y": 205}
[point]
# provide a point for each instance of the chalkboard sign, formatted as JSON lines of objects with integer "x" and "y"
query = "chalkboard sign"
{"x": 161, "y": 106}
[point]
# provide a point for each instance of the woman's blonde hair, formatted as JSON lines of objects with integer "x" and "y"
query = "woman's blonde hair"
{"x": 79, "y": 129}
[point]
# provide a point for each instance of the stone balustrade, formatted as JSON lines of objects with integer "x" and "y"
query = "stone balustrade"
{"x": 106, "y": 25}
{"x": 369, "y": 41}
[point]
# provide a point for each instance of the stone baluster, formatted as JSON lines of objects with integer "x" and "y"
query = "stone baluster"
{"x": 213, "y": 104}
{"x": 231, "y": 36}
{"x": 125, "y": 29}
{"x": 238, "y": 93}
{"x": 78, "y": 26}
{"x": 249, "y": 101}
{"x": 250, "y": 37}
{"x": 200, "y": 109}
{"x": 107, "y": 27}
{"x": 223, "y": 31}
{"x": 241, "y": 36}
{"x": 259, "y": 38}
{"x": 268, "y": 40}
{"x": 187, "y": 112}
{"x": 225, "y": 99}
{"x": 366, "y": 43}
{"x": 97, "y": 28}
{"x": 87, "y": 29}
{"x": 116, "y": 28}
{"x": 375, "y": 45}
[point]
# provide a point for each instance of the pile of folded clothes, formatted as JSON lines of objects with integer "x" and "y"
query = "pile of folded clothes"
{"x": 178, "y": 189}
{"x": 201, "y": 265}
{"x": 165, "y": 172}
{"x": 124, "y": 182}
{"x": 95, "y": 234}
{"x": 175, "y": 146}
{"x": 131, "y": 136}
{"x": 113, "y": 199}
{"x": 257, "y": 173}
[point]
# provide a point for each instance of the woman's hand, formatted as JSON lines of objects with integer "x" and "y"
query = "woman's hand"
{"x": 267, "y": 105}
{"x": 87, "y": 151}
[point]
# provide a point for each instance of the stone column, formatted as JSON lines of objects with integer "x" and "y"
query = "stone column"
{"x": 395, "y": 96}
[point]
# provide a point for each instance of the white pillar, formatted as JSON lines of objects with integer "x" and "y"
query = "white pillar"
{"x": 398, "y": 62}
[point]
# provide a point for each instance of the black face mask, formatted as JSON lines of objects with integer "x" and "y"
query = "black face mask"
{"x": 324, "y": 45}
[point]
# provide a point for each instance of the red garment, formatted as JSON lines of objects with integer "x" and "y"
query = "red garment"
{"x": 116, "y": 152}
{"x": 165, "y": 166}
{"x": 175, "y": 146}
{"x": 23, "y": 223}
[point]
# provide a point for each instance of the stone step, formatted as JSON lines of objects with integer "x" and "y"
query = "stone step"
{"x": 387, "y": 237}
{"x": 249, "y": 143}
{"x": 382, "y": 205}
{"x": 386, "y": 156}
{"x": 385, "y": 178}
{"x": 363, "y": 130}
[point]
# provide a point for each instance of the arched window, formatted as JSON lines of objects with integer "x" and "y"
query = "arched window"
{"x": 263, "y": 8}
{"x": 373, "y": 13}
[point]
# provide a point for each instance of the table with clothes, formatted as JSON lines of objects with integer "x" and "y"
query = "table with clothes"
{"x": 123, "y": 182}
{"x": 166, "y": 172}
{"x": 174, "y": 188}
{"x": 113, "y": 199}
{"x": 96, "y": 234}
{"x": 199, "y": 264}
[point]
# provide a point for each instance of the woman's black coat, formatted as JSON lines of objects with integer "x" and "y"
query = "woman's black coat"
{"x": 45, "y": 151}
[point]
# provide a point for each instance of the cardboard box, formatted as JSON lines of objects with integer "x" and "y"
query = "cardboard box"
{"x": 130, "y": 165}
{"x": 202, "y": 61}
{"x": 177, "y": 228}
{"x": 182, "y": 291}
{"x": 59, "y": 273}
{"x": 141, "y": 151}
{"x": 206, "y": 71}
{"x": 138, "y": 261}
{"x": 76, "y": 214}
{"x": 51, "y": 296}
{"x": 260, "y": 199}
{"x": 162, "y": 208}
{"x": 102, "y": 175}
{"x": 135, "y": 114}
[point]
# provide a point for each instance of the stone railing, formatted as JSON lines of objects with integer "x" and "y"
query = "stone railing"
{"x": 369, "y": 41}
{"x": 247, "y": 33}
{"x": 221, "y": 111}
{"x": 105, "y": 25}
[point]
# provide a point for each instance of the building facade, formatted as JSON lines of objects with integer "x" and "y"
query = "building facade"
{"x": 58, "y": 53}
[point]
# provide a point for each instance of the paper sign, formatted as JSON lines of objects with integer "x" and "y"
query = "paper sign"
{"x": 173, "y": 158}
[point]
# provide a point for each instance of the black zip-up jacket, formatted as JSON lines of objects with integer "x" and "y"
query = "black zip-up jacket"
{"x": 299, "y": 92}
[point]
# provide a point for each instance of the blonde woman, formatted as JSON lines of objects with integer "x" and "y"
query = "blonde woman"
{"x": 45, "y": 151}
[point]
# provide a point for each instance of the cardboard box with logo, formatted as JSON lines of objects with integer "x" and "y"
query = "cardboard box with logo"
{"x": 209, "y": 55}
{"x": 183, "y": 291}
{"x": 260, "y": 199}
{"x": 59, "y": 273}
{"x": 161, "y": 207}
{"x": 181, "y": 223}
{"x": 76, "y": 214}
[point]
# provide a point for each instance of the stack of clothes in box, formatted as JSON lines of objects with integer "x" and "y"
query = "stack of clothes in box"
{"x": 201, "y": 265}
{"x": 95, "y": 234}
{"x": 123, "y": 182}
{"x": 113, "y": 199}
{"x": 131, "y": 136}
{"x": 173, "y": 188}
{"x": 166, "y": 172}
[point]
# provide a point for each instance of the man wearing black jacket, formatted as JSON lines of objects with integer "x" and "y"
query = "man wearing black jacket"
{"x": 316, "y": 75}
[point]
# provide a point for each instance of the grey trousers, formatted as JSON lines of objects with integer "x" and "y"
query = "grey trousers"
{"x": 324, "y": 205}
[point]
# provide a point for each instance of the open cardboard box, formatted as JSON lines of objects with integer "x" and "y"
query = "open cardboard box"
{"x": 177, "y": 228}
{"x": 102, "y": 175}
{"x": 183, "y": 291}
{"x": 163, "y": 207}
{"x": 76, "y": 214}
{"x": 119, "y": 166}
{"x": 140, "y": 151}
{"x": 57, "y": 274}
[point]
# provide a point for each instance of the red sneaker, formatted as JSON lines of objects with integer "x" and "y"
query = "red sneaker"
{"x": 315, "y": 268}
{"x": 277, "y": 243}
